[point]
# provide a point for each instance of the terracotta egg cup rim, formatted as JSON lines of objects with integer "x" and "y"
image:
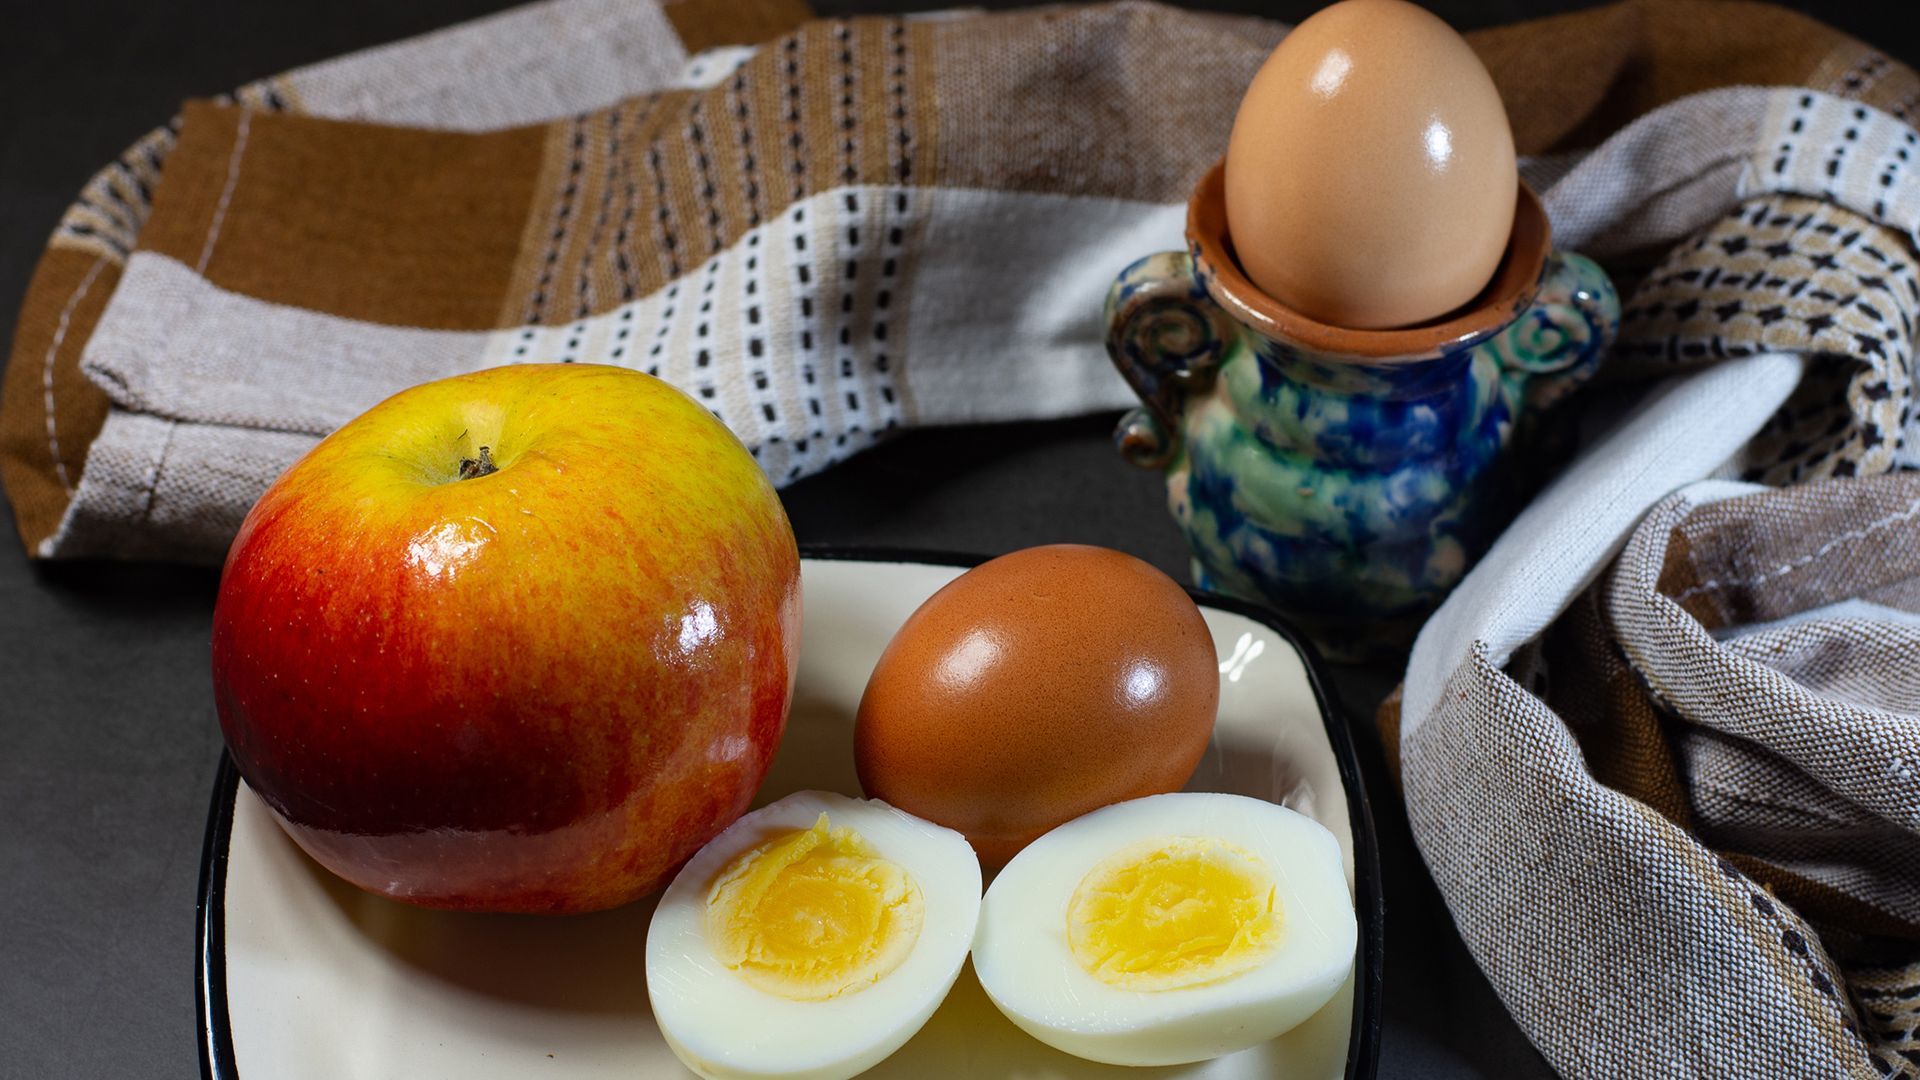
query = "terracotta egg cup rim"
{"x": 1511, "y": 291}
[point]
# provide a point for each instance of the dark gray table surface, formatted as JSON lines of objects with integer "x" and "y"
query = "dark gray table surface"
{"x": 108, "y": 740}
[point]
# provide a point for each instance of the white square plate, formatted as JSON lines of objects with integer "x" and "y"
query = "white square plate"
{"x": 304, "y": 976}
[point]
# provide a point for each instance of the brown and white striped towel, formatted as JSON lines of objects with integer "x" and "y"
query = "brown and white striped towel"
{"x": 824, "y": 230}
{"x": 1659, "y": 747}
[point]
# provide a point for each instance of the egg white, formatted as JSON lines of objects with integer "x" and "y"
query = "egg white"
{"x": 1027, "y": 967}
{"x": 722, "y": 1027}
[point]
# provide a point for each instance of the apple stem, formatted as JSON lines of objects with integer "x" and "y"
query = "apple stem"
{"x": 480, "y": 466}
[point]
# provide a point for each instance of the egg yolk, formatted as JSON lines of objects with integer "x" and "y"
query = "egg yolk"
{"x": 813, "y": 914}
{"x": 1174, "y": 912}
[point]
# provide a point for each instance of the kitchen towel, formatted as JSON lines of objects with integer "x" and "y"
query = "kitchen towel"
{"x": 1658, "y": 749}
{"x": 851, "y": 226}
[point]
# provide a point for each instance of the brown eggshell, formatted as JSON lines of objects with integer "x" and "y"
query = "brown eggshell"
{"x": 1370, "y": 179}
{"x": 1035, "y": 688}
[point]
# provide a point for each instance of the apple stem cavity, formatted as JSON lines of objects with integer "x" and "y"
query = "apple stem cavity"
{"x": 480, "y": 466}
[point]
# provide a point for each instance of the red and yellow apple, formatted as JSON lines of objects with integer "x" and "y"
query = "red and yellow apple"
{"x": 521, "y": 640}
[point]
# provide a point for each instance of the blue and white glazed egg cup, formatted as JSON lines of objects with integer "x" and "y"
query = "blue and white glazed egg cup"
{"x": 1347, "y": 478}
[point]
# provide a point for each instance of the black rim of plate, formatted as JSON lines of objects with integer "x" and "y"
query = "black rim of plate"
{"x": 1363, "y": 1048}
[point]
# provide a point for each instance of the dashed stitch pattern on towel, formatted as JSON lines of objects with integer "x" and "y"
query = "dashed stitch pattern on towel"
{"x": 1795, "y": 274}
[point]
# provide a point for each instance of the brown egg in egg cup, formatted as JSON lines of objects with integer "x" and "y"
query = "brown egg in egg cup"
{"x": 1510, "y": 292}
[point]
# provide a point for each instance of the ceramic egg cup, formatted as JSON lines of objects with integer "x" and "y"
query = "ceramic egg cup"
{"x": 1348, "y": 478}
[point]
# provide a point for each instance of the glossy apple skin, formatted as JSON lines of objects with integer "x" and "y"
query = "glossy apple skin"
{"x": 537, "y": 690}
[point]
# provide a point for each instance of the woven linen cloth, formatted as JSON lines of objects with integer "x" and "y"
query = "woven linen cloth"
{"x": 1659, "y": 747}
{"x": 822, "y": 230}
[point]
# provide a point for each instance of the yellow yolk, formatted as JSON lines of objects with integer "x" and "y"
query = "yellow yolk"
{"x": 813, "y": 914}
{"x": 1173, "y": 912}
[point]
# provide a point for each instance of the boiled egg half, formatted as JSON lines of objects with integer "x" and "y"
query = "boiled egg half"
{"x": 1168, "y": 929}
{"x": 810, "y": 939}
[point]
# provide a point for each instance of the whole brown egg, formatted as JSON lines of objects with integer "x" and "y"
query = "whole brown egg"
{"x": 1370, "y": 176}
{"x": 1037, "y": 687}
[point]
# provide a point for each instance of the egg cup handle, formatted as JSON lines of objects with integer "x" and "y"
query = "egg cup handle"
{"x": 1556, "y": 344}
{"x": 1166, "y": 337}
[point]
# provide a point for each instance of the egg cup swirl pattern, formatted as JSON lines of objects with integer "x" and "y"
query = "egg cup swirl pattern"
{"x": 1346, "y": 477}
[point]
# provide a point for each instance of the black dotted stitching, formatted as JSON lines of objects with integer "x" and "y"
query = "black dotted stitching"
{"x": 850, "y": 171}
{"x": 623, "y": 236}
{"x": 575, "y": 163}
{"x": 584, "y": 297}
{"x": 663, "y": 216}
{"x": 748, "y": 176}
{"x": 903, "y": 137}
{"x": 703, "y": 174}
{"x": 794, "y": 126}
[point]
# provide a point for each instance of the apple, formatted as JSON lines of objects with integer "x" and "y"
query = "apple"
{"x": 521, "y": 640}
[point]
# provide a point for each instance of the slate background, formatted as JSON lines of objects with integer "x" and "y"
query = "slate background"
{"x": 108, "y": 739}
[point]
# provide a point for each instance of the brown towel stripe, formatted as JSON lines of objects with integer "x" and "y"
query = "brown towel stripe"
{"x": 933, "y": 103}
{"x": 707, "y": 24}
{"x": 51, "y": 412}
